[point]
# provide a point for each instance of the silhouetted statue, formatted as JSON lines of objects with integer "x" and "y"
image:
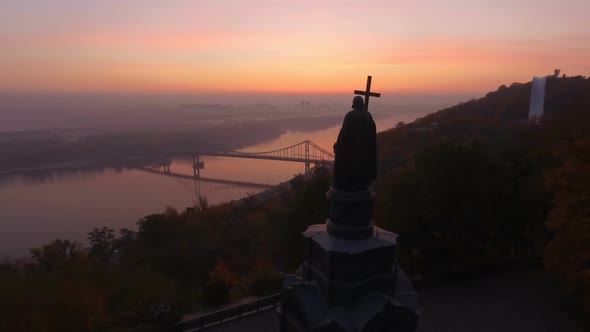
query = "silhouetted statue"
{"x": 355, "y": 164}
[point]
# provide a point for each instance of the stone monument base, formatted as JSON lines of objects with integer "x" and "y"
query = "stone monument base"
{"x": 349, "y": 281}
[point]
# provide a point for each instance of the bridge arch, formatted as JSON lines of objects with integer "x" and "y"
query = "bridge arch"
{"x": 306, "y": 152}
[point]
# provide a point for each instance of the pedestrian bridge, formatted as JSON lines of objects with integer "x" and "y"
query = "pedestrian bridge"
{"x": 306, "y": 152}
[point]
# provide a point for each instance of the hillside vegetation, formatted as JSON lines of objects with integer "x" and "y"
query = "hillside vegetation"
{"x": 470, "y": 186}
{"x": 485, "y": 186}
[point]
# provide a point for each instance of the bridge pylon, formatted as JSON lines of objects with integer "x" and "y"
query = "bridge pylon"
{"x": 306, "y": 156}
{"x": 166, "y": 165}
{"x": 197, "y": 166}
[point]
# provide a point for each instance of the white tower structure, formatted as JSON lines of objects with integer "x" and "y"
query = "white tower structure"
{"x": 537, "y": 103}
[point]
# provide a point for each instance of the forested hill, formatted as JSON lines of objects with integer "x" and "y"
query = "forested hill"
{"x": 512, "y": 103}
{"x": 476, "y": 183}
{"x": 496, "y": 116}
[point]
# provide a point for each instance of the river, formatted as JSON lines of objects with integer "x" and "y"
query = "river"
{"x": 36, "y": 209}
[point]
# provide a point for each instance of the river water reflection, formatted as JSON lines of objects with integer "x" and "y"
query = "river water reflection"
{"x": 35, "y": 209}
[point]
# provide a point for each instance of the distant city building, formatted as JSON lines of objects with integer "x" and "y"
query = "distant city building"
{"x": 537, "y": 103}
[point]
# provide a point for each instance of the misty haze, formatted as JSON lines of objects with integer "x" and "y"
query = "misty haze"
{"x": 84, "y": 152}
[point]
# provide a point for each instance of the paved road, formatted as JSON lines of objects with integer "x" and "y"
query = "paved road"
{"x": 518, "y": 301}
{"x": 513, "y": 301}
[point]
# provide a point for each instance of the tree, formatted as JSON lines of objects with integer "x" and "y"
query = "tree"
{"x": 567, "y": 256}
{"x": 221, "y": 280}
{"x": 57, "y": 254}
{"x": 102, "y": 242}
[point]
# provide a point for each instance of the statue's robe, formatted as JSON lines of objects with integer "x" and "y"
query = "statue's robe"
{"x": 355, "y": 164}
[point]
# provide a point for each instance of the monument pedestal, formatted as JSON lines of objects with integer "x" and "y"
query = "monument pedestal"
{"x": 350, "y": 280}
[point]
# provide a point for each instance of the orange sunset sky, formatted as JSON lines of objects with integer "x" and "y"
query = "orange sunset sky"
{"x": 281, "y": 46}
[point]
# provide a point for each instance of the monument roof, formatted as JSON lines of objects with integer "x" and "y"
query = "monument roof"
{"x": 382, "y": 238}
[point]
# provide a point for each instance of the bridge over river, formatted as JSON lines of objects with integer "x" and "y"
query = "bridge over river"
{"x": 207, "y": 179}
{"x": 306, "y": 152}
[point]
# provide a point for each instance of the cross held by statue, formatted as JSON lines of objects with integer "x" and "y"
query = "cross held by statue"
{"x": 367, "y": 93}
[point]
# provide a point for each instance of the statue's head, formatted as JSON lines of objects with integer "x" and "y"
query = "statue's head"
{"x": 358, "y": 103}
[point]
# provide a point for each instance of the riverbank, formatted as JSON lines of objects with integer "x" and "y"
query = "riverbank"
{"x": 52, "y": 168}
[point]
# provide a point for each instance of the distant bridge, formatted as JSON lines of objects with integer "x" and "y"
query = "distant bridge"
{"x": 306, "y": 152}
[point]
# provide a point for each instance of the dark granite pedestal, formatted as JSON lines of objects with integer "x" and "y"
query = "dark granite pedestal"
{"x": 350, "y": 280}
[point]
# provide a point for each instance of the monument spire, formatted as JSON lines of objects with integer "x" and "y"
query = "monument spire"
{"x": 367, "y": 93}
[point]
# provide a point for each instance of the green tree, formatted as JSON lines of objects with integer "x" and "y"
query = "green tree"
{"x": 102, "y": 242}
